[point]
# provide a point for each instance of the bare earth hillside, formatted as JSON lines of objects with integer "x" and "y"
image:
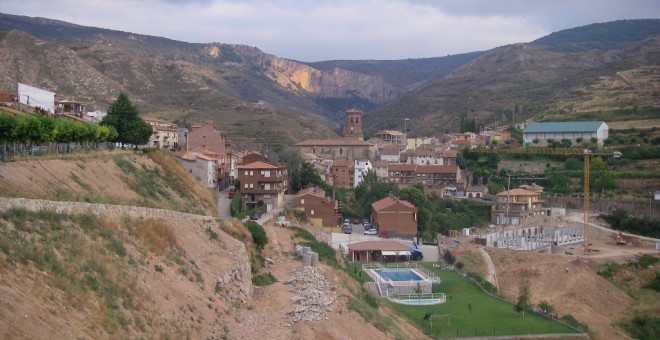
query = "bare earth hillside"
{"x": 570, "y": 282}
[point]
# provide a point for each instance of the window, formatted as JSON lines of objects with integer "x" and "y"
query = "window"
{"x": 302, "y": 201}
{"x": 251, "y": 186}
{"x": 246, "y": 186}
{"x": 247, "y": 173}
{"x": 311, "y": 212}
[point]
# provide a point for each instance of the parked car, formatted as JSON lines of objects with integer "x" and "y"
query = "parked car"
{"x": 231, "y": 194}
{"x": 356, "y": 221}
{"x": 384, "y": 234}
{"x": 256, "y": 215}
{"x": 348, "y": 229}
{"x": 371, "y": 231}
{"x": 365, "y": 221}
{"x": 347, "y": 221}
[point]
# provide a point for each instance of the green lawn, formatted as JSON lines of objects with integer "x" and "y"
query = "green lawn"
{"x": 486, "y": 317}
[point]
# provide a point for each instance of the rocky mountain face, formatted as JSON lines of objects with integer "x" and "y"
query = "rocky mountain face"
{"x": 334, "y": 83}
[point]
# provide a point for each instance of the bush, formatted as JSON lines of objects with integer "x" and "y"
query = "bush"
{"x": 264, "y": 279}
{"x": 235, "y": 206}
{"x": 258, "y": 234}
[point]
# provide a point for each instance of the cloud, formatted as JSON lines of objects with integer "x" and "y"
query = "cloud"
{"x": 341, "y": 29}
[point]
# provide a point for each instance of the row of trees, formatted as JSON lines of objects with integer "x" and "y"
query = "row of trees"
{"x": 121, "y": 124}
{"x": 28, "y": 129}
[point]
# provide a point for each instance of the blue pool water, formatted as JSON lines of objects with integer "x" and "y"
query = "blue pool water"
{"x": 398, "y": 275}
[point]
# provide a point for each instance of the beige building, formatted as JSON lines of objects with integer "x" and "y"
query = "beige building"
{"x": 165, "y": 134}
{"x": 517, "y": 207}
{"x": 351, "y": 147}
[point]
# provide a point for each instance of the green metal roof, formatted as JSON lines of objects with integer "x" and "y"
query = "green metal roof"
{"x": 563, "y": 127}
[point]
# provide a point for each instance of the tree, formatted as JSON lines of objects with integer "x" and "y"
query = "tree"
{"x": 524, "y": 296}
{"x": 547, "y": 307}
{"x": 449, "y": 257}
{"x": 124, "y": 117}
{"x": 459, "y": 266}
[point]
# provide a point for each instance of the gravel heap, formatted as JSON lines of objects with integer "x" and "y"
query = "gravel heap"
{"x": 312, "y": 297}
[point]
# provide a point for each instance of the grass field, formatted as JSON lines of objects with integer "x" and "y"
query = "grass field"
{"x": 474, "y": 313}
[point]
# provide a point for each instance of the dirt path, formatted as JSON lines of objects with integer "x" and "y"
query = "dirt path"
{"x": 492, "y": 275}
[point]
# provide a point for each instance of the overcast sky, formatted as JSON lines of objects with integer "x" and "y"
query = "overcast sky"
{"x": 314, "y": 30}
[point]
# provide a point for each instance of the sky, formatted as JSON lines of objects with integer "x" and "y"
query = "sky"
{"x": 316, "y": 30}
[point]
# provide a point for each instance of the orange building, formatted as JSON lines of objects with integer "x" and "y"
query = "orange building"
{"x": 320, "y": 210}
{"x": 395, "y": 217}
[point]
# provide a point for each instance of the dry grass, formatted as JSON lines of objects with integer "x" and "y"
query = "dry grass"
{"x": 638, "y": 124}
{"x": 191, "y": 184}
{"x": 473, "y": 262}
{"x": 236, "y": 230}
{"x": 156, "y": 235}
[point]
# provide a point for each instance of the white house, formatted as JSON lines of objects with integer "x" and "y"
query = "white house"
{"x": 360, "y": 169}
{"x": 36, "y": 97}
{"x": 202, "y": 166}
{"x": 565, "y": 130}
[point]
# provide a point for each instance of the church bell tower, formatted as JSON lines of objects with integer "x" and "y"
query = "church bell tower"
{"x": 353, "y": 125}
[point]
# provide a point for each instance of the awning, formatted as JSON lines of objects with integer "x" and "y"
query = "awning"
{"x": 394, "y": 252}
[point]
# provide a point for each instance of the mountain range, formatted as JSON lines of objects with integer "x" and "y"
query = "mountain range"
{"x": 263, "y": 100}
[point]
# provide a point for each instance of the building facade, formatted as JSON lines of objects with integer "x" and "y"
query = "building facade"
{"x": 360, "y": 168}
{"x": 394, "y": 217}
{"x": 432, "y": 177}
{"x": 202, "y": 166}
{"x": 262, "y": 183}
{"x": 165, "y": 134}
{"x": 517, "y": 207}
{"x": 351, "y": 147}
{"x": 204, "y": 138}
{"x": 542, "y": 132}
{"x": 342, "y": 173}
{"x": 320, "y": 210}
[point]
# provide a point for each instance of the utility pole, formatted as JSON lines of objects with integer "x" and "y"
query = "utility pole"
{"x": 508, "y": 195}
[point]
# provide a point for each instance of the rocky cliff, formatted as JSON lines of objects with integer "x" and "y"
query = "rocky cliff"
{"x": 333, "y": 83}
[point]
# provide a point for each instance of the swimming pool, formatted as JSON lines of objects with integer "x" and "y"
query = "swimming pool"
{"x": 420, "y": 302}
{"x": 398, "y": 275}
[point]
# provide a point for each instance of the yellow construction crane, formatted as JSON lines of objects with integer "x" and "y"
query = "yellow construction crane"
{"x": 586, "y": 153}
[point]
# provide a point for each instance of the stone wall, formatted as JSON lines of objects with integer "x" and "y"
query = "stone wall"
{"x": 235, "y": 282}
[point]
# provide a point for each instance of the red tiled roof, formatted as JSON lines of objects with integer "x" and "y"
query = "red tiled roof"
{"x": 377, "y": 245}
{"x": 334, "y": 142}
{"x": 342, "y": 162}
{"x": 311, "y": 191}
{"x": 388, "y": 202}
{"x": 258, "y": 165}
{"x": 401, "y": 167}
{"x": 389, "y": 149}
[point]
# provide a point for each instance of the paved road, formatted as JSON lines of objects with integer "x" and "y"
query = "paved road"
{"x": 492, "y": 275}
{"x": 223, "y": 204}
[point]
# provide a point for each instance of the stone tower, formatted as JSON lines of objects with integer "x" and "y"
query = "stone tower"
{"x": 353, "y": 126}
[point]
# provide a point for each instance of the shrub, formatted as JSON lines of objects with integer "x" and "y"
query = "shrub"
{"x": 258, "y": 234}
{"x": 264, "y": 279}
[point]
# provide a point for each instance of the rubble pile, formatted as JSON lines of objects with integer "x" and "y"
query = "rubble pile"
{"x": 312, "y": 295}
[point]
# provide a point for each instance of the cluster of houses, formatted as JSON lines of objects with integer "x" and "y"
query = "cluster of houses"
{"x": 342, "y": 162}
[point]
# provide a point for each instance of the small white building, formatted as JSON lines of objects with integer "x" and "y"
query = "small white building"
{"x": 202, "y": 166}
{"x": 360, "y": 169}
{"x": 565, "y": 130}
{"x": 36, "y": 97}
